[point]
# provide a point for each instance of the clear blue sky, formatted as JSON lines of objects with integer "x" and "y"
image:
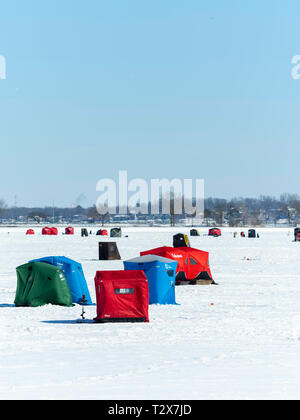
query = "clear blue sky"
{"x": 162, "y": 88}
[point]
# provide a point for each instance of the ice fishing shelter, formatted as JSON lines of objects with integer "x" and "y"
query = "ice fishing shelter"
{"x": 102, "y": 232}
{"x": 116, "y": 233}
{"x": 297, "y": 234}
{"x": 122, "y": 296}
{"x": 108, "y": 251}
{"x": 214, "y": 232}
{"x": 161, "y": 273}
{"x": 84, "y": 232}
{"x": 41, "y": 284}
{"x": 46, "y": 231}
{"x": 193, "y": 264}
{"x": 69, "y": 231}
{"x": 194, "y": 232}
{"x": 50, "y": 231}
{"x": 75, "y": 277}
{"x": 30, "y": 232}
{"x": 181, "y": 240}
{"x": 251, "y": 233}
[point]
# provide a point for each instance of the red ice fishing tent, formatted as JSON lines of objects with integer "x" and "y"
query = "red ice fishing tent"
{"x": 297, "y": 234}
{"x": 122, "y": 296}
{"x": 193, "y": 264}
{"x": 49, "y": 231}
{"x": 46, "y": 231}
{"x": 69, "y": 231}
{"x": 30, "y": 232}
{"x": 214, "y": 232}
{"x": 102, "y": 232}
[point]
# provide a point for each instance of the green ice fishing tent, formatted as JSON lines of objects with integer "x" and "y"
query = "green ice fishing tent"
{"x": 42, "y": 284}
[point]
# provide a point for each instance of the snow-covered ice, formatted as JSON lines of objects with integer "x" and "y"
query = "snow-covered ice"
{"x": 244, "y": 346}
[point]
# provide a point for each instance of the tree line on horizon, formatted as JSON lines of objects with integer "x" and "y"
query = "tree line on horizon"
{"x": 234, "y": 212}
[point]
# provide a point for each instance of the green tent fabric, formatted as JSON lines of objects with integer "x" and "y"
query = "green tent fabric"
{"x": 41, "y": 284}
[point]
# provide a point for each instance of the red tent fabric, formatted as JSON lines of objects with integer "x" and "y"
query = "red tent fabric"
{"x": 122, "y": 296}
{"x": 104, "y": 232}
{"x": 192, "y": 263}
{"x": 214, "y": 232}
{"x": 30, "y": 232}
{"x": 69, "y": 231}
{"x": 46, "y": 231}
{"x": 49, "y": 231}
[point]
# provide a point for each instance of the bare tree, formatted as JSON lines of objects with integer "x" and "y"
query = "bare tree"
{"x": 176, "y": 208}
{"x": 38, "y": 216}
{"x": 95, "y": 215}
{"x": 3, "y": 208}
{"x": 220, "y": 213}
{"x": 208, "y": 214}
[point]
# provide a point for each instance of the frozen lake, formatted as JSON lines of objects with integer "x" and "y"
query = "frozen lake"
{"x": 244, "y": 346}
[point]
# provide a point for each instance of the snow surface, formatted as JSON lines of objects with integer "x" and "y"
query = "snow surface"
{"x": 244, "y": 346}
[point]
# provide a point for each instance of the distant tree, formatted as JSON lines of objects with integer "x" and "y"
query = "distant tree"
{"x": 96, "y": 216}
{"x": 291, "y": 207}
{"x": 256, "y": 218}
{"x": 220, "y": 212}
{"x": 234, "y": 217}
{"x": 3, "y": 208}
{"x": 38, "y": 216}
{"x": 176, "y": 208}
{"x": 208, "y": 215}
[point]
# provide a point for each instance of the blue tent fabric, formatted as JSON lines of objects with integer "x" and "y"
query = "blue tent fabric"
{"x": 74, "y": 275}
{"x": 160, "y": 273}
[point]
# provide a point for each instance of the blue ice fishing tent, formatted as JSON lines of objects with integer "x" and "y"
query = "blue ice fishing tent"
{"x": 160, "y": 273}
{"x": 74, "y": 275}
